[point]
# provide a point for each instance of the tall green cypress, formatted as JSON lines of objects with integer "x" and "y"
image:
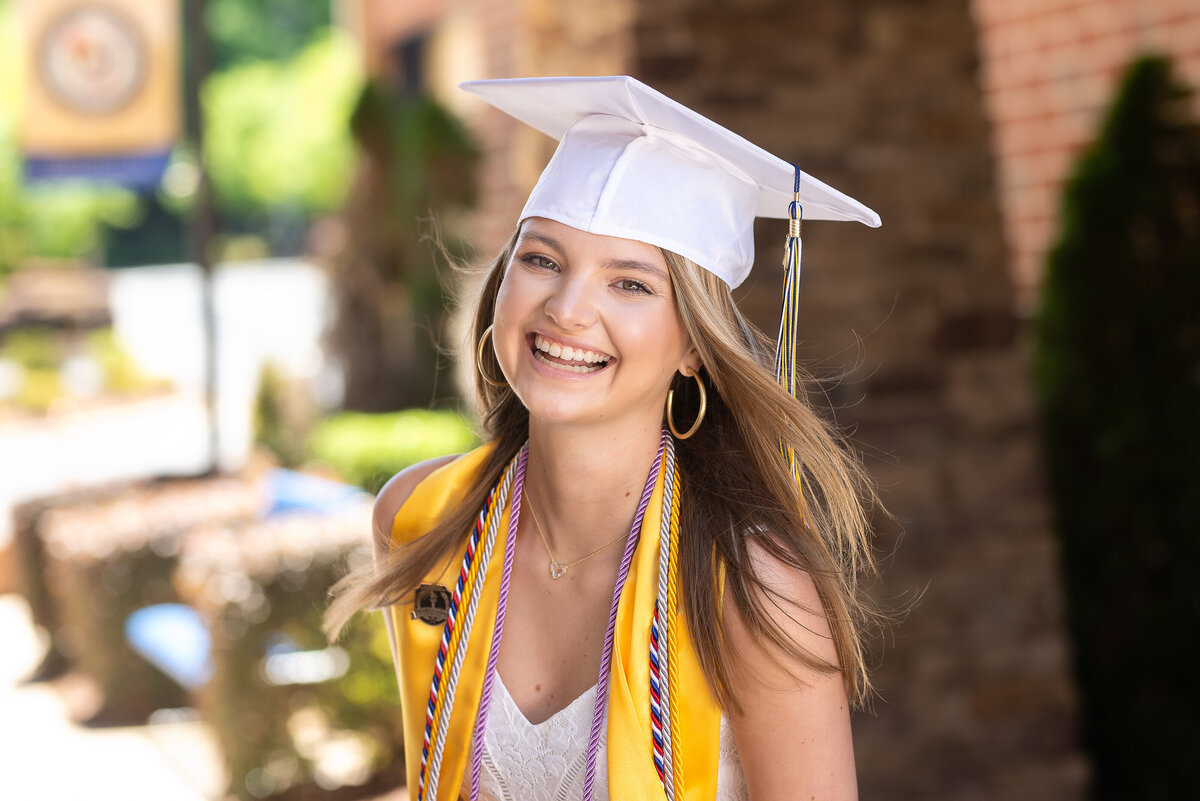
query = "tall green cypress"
{"x": 1118, "y": 374}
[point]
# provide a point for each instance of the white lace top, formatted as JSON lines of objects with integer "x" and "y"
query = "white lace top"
{"x": 523, "y": 761}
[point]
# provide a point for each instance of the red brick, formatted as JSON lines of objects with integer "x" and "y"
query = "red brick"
{"x": 1099, "y": 18}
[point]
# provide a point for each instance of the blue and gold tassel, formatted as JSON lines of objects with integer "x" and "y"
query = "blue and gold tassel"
{"x": 785, "y": 356}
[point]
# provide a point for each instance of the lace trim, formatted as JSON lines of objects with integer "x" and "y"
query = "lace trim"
{"x": 545, "y": 761}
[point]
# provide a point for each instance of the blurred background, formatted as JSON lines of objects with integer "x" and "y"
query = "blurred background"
{"x": 226, "y": 237}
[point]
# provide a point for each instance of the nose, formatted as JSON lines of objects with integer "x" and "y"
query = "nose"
{"x": 571, "y": 304}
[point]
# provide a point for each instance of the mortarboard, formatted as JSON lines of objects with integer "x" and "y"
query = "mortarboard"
{"x": 633, "y": 163}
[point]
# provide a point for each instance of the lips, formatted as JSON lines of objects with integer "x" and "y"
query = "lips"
{"x": 567, "y": 357}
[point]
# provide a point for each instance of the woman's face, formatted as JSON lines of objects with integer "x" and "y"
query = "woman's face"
{"x": 586, "y": 328}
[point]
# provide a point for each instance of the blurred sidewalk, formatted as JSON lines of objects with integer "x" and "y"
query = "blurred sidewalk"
{"x": 48, "y": 758}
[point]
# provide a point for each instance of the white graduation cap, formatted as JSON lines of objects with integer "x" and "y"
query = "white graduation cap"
{"x": 635, "y": 164}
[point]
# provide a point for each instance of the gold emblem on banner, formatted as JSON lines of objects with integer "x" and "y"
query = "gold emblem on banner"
{"x": 104, "y": 76}
{"x": 93, "y": 59}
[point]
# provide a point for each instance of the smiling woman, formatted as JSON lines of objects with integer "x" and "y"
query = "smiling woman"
{"x": 586, "y": 328}
{"x": 628, "y": 403}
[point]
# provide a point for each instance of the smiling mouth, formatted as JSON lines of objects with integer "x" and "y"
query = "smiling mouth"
{"x": 565, "y": 357}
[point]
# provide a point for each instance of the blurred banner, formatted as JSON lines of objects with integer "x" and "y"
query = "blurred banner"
{"x": 104, "y": 89}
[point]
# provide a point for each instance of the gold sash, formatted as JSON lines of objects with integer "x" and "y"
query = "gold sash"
{"x": 631, "y": 771}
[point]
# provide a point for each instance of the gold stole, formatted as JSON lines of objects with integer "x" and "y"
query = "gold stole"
{"x": 631, "y": 771}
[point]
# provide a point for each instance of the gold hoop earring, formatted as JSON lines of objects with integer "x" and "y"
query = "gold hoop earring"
{"x": 479, "y": 361}
{"x": 699, "y": 416}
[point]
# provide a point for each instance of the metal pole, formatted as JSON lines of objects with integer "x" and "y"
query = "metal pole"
{"x": 204, "y": 220}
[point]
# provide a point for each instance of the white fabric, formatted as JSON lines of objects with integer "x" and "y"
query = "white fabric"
{"x": 523, "y": 761}
{"x": 700, "y": 210}
{"x": 635, "y": 164}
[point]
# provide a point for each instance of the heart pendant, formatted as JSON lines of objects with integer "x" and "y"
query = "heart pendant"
{"x": 557, "y": 571}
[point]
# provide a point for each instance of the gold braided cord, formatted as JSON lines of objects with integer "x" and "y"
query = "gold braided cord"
{"x": 673, "y": 637}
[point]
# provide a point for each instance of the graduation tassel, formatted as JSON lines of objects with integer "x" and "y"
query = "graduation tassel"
{"x": 785, "y": 356}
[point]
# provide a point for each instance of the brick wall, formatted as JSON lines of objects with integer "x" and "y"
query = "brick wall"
{"x": 882, "y": 100}
{"x": 536, "y": 37}
{"x": 378, "y": 24}
{"x": 1050, "y": 68}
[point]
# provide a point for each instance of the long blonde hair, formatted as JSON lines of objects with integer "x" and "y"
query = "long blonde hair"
{"x": 737, "y": 488}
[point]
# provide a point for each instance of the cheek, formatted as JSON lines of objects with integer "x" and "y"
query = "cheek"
{"x": 668, "y": 332}
{"x": 660, "y": 342}
{"x": 506, "y": 330}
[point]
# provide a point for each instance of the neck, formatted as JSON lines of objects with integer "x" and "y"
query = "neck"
{"x": 587, "y": 487}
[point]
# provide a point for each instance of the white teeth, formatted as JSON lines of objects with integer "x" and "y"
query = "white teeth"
{"x": 573, "y": 368}
{"x": 568, "y": 353}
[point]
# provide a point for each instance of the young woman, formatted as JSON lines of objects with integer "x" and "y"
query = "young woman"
{"x": 645, "y": 584}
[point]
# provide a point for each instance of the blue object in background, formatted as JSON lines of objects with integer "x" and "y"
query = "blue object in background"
{"x": 173, "y": 638}
{"x": 289, "y": 491}
{"x": 141, "y": 171}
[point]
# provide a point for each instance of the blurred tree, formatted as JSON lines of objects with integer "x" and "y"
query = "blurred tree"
{"x": 262, "y": 30}
{"x": 1118, "y": 371}
{"x": 277, "y": 143}
{"x": 416, "y": 166}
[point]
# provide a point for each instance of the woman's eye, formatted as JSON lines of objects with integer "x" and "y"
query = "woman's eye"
{"x": 630, "y": 285}
{"x": 539, "y": 261}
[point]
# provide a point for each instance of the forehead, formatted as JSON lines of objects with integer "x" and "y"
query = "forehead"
{"x": 574, "y": 241}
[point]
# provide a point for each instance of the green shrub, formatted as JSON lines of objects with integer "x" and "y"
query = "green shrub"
{"x": 367, "y": 449}
{"x": 1118, "y": 373}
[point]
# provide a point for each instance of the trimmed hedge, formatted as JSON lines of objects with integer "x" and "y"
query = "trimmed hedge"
{"x": 368, "y": 449}
{"x": 1118, "y": 373}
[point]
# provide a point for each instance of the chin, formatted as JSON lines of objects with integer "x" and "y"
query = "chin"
{"x": 560, "y": 413}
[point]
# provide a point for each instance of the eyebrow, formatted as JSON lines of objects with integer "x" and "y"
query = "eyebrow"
{"x": 639, "y": 267}
{"x": 545, "y": 239}
{"x": 635, "y": 265}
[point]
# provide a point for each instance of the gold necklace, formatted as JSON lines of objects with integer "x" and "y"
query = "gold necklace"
{"x": 558, "y": 570}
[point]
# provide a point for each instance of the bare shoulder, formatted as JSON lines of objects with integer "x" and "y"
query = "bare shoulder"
{"x": 792, "y": 601}
{"x": 395, "y": 492}
{"x": 786, "y": 706}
